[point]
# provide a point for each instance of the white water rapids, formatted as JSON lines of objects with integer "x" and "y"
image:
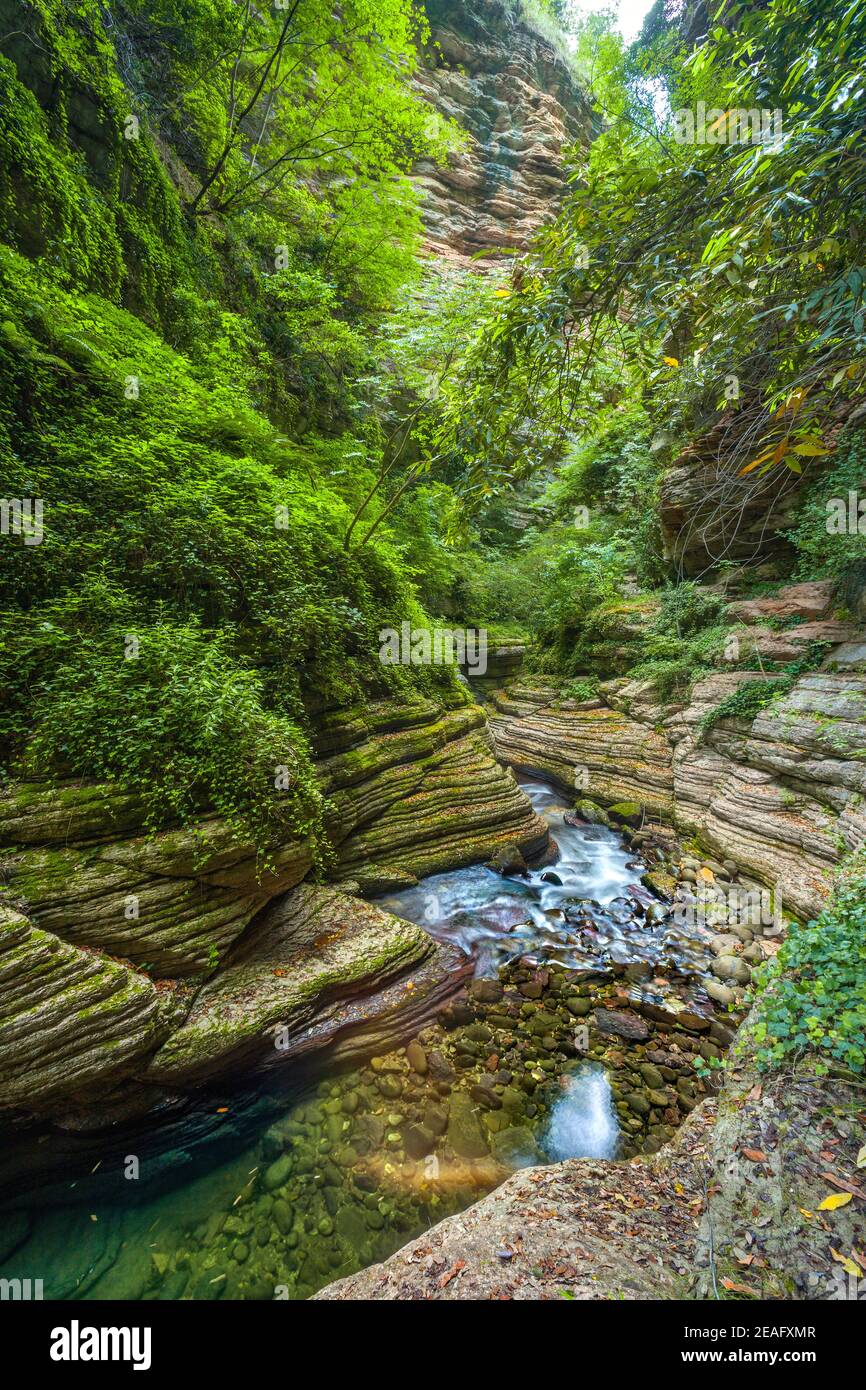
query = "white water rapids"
{"x": 583, "y": 1122}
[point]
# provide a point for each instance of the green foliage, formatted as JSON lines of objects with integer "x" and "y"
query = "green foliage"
{"x": 677, "y": 264}
{"x": 203, "y": 228}
{"x": 747, "y": 701}
{"x": 825, "y": 550}
{"x": 812, "y": 995}
{"x": 179, "y": 719}
{"x": 583, "y": 688}
{"x": 179, "y": 512}
{"x": 687, "y": 609}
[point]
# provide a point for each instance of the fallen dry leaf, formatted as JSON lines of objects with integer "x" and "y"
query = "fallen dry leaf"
{"x": 836, "y": 1199}
{"x": 738, "y": 1288}
{"x": 755, "y": 1155}
{"x": 845, "y": 1186}
{"x": 847, "y": 1263}
{"x": 451, "y": 1273}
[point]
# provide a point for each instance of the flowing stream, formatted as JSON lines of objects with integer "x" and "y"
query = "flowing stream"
{"x": 588, "y": 909}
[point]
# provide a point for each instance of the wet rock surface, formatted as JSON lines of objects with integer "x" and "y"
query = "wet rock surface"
{"x": 372, "y": 1156}
{"x": 779, "y": 794}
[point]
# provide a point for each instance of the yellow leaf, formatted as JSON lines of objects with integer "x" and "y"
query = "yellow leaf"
{"x": 796, "y": 399}
{"x": 806, "y": 1213}
{"x": 836, "y": 1199}
{"x": 861, "y": 1157}
{"x": 502, "y": 294}
{"x": 671, "y": 361}
{"x": 847, "y": 1264}
{"x": 754, "y": 464}
{"x": 812, "y": 451}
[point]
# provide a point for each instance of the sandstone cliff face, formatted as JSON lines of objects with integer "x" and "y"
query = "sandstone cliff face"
{"x": 783, "y": 794}
{"x": 520, "y": 107}
{"x": 122, "y": 927}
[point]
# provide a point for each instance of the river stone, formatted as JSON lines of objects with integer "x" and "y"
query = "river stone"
{"x": 587, "y": 811}
{"x": 659, "y": 1098}
{"x": 629, "y": 812}
{"x": 417, "y": 1058}
{"x": 515, "y": 1147}
{"x": 436, "y": 1118}
{"x": 479, "y": 1032}
{"x": 278, "y": 1174}
{"x": 509, "y": 860}
{"x": 652, "y": 1076}
{"x": 513, "y": 1098}
{"x": 390, "y": 1086}
{"x": 334, "y": 1128}
{"x": 418, "y": 1141}
{"x": 661, "y": 882}
{"x": 621, "y": 1025}
{"x": 465, "y": 1135}
{"x": 732, "y": 968}
{"x": 721, "y": 1033}
{"x": 282, "y": 1214}
{"x": 725, "y": 944}
{"x": 722, "y": 994}
{"x": 486, "y": 1098}
{"x": 486, "y": 991}
{"x": 440, "y": 1070}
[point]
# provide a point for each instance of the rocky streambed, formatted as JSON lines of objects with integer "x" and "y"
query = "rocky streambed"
{"x": 589, "y": 1029}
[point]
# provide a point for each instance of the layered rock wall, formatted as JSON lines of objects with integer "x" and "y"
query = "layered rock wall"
{"x": 782, "y": 793}
{"x": 118, "y": 929}
{"x": 520, "y": 107}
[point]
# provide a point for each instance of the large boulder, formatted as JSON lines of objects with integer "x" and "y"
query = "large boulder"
{"x": 302, "y": 963}
{"x": 72, "y": 1021}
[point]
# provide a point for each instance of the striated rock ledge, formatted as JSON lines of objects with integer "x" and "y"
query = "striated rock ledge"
{"x": 68, "y": 1018}
{"x": 783, "y": 794}
{"x": 170, "y": 939}
{"x": 591, "y": 748}
{"x": 520, "y": 107}
{"x": 311, "y": 950}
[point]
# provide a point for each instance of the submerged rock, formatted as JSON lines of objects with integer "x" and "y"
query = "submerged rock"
{"x": 465, "y": 1135}
{"x": 621, "y": 1025}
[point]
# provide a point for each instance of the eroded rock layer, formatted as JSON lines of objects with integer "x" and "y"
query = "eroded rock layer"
{"x": 131, "y": 938}
{"x": 781, "y": 793}
{"x": 520, "y": 107}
